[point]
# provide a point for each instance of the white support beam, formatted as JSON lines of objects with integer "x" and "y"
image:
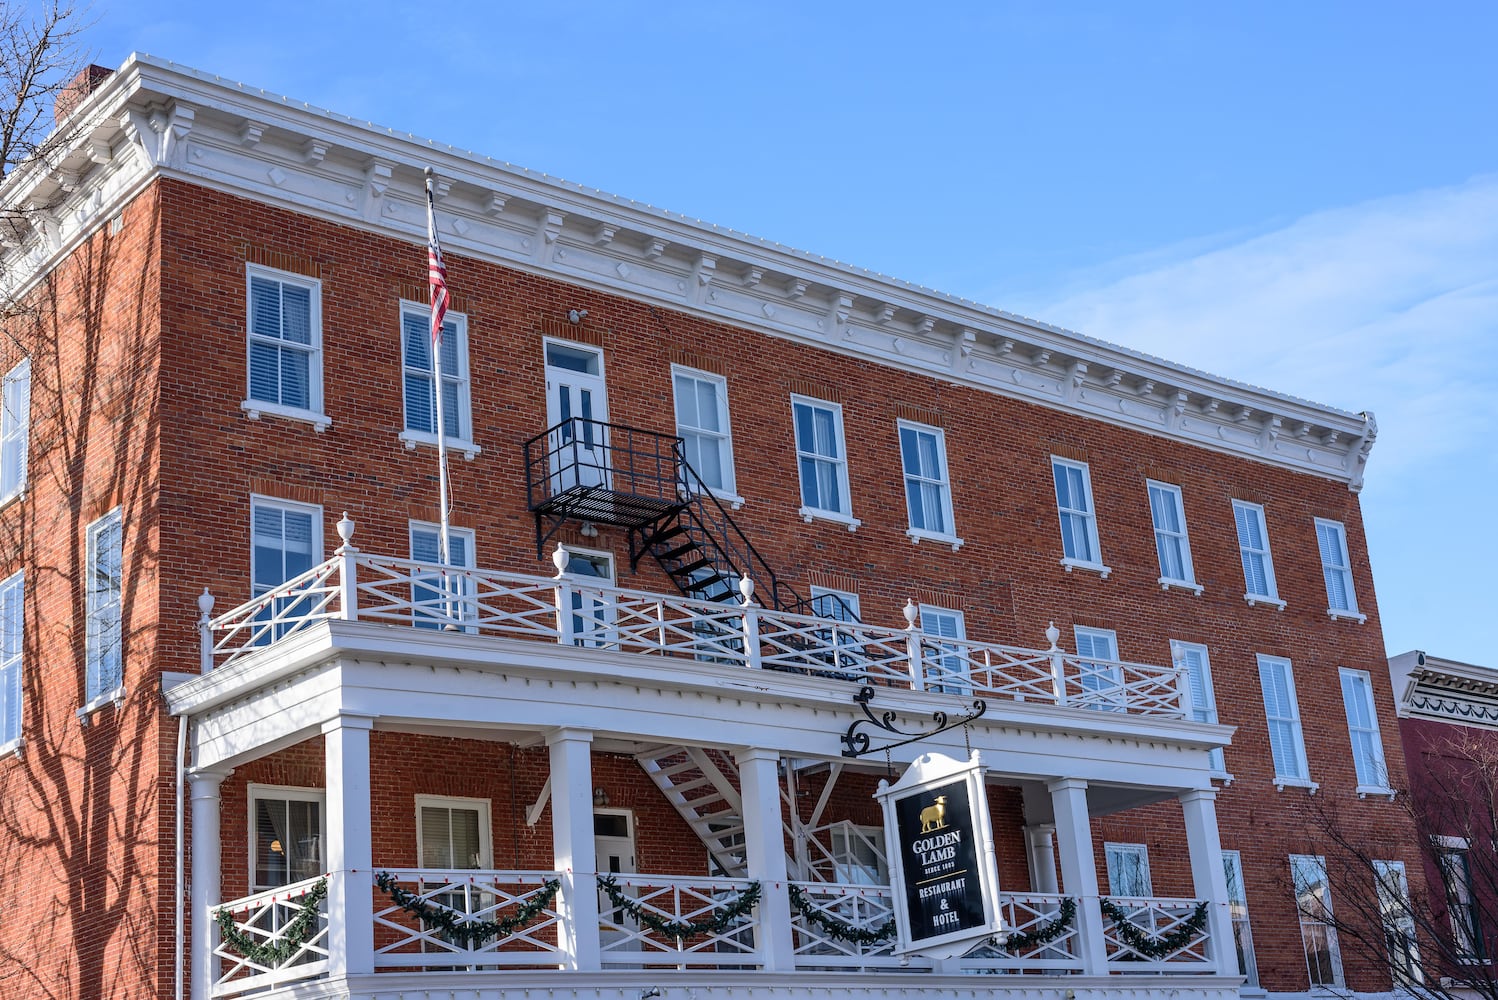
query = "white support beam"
{"x": 572, "y": 846}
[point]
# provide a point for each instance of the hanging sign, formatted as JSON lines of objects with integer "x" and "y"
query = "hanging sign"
{"x": 942, "y": 865}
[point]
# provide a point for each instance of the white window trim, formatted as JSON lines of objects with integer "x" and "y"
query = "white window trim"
{"x": 916, "y": 535}
{"x": 486, "y": 845}
{"x": 1340, "y": 614}
{"x": 309, "y": 508}
{"x": 1283, "y": 781}
{"x": 1339, "y": 978}
{"x": 1178, "y": 650}
{"x": 1067, "y": 562}
{"x": 17, "y": 743}
{"x": 605, "y": 632}
{"x": 1273, "y": 596}
{"x": 729, "y": 495}
{"x": 848, "y": 597}
{"x": 1109, "y": 665}
{"x": 22, "y": 371}
{"x": 1371, "y": 704}
{"x": 411, "y": 438}
{"x": 254, "y": 792}
{"x": 1188, "y": 582}
{"x": 256, "y": 408}
{"x": 464, "y": 596}
{"x": 1140, "y": 850}
{"x": 112, "y": 696}
{"x": 809, "y": 514}
{"x": 960, "y": 684}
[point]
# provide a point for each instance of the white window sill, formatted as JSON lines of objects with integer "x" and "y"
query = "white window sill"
{"x": 413, "y": 438}
{"x": 255, "y": 409}
{"x": 12, "y": 748}
{"x": 1092, "y": 567}
{"x": 809, "y": 514}
{"x": 1254, "y": 600}
{"x": 1226, "y": 777}
{"x": 1281, "y": 783}
{"x": 1377, "y": 791}
{"x": 15, "y": 497}
{"x": 1166, "y": 583}
{"x": 115, "y": 698}
{"x": 916, "y": 535}
{"x": 729, "y": 497}
{"x": 1338, "y": 614}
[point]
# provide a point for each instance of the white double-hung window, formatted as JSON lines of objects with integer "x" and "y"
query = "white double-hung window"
{"x": 702, "y": 424}
{"x": 287, "y": 834}
{"x": 946, "y": 662}
{"x": 1318, "y": 931}
{"x": 1362, "y": 727}
{"x": 1253, "y": 546}
{"x": 1171, "y": 543}
{"x": 440, "y": 599}
{"x": 1192, "y": 658}
{"x": 12, "y": 643}
{"x": 285, "y": 345}
{"x": 1282, "y": 712}
{"x": 928, "y": 487}
{"x": 285, "y": 542}
{"x": 1100, "y": 677}
{"x": 104, "y": 585}
{"x": 1079, "y": 541}
{"x": 15, "y": 427}
{"x": 1128, "y": 869}
{"x": 822, "y": 460}
{"x": 417, "y": 378}
{"x": 1336, "y": 569}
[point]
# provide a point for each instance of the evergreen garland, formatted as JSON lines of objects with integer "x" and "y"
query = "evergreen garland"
{"x": 1045, "y": 933}
{"x": 276, "y": 952}
{"x": 839, "y": 930}
{"x": 456, "y": 924}
{"x": 1147, "y": 944}
{"x": 721, "y": 921}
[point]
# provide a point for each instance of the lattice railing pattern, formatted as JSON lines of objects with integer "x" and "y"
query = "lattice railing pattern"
{"x": 626, "y": 940}
{"x": 265, "y": 917}
{"x": 863, "y": 907}
{"x": 1157, "y": 917}
{"x": 1028, "y": 913}
{"x": 357, "y": 586}
{"x": 402, "y": 941}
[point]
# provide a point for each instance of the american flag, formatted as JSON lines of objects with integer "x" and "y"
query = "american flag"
{"x": 436, "y": 271}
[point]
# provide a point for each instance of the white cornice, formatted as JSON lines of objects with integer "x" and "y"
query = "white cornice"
{"x": 1430, "y": 687}
{"x": 157, "y": 119}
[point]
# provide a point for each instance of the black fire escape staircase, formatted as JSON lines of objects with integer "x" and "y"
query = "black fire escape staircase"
{"x": 600, "y": 473}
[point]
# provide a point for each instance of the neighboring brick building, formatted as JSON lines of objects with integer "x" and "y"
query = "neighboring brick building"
{"x": 224, "y": 309}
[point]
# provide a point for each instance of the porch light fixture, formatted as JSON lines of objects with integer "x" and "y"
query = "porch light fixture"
{"x": 600, "y": 798}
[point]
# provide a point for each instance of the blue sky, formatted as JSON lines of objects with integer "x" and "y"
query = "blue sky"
{"x": 1300, "y": 196}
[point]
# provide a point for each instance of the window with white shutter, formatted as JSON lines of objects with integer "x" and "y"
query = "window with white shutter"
{"x": 104, "y": 584}
{"x": 1336, "y": 570}
{"x": 285, "y": 542}
{"x": 1286, "y": 742}
{"x": 947, "y": 666}
{"x": 287, "y": 837}
{"x": 1193, "y": 659}
{"x": 284, "y": 344}
{"x": 15, "y": 429}
{"x": 1172, "y": 546}
{"x": 442, "y": 599}
{"x": 12, "y": 643}
{"x": 417, "y": 378}
{"x": 1362, "y": 727}
{"x": 1101, "y": 679}
{"x": 1079, "y": 538}
{"x": 702, "y": 424}
{"x": 452, "y": 833}
{"x": 1253, "y": 546}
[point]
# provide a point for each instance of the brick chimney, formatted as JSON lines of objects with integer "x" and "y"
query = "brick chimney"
{"x": 72, "y": 95}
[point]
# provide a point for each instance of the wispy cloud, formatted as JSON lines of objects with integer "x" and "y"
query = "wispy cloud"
{"x": 1389, "y": 305}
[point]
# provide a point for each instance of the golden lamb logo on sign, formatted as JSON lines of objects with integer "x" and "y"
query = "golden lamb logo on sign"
{"x": 934, "y": 817}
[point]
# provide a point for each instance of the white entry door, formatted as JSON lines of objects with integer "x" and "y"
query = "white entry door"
{"x": 614, "y": 847}
{"x": 577, "y": 406}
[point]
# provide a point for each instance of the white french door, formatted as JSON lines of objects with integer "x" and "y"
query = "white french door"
{"x": 577, "y": 408}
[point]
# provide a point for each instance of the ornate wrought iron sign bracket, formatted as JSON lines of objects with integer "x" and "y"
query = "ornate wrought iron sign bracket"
{"x": 856, "y": 743}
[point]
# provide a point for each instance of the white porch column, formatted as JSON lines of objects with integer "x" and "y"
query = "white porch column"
{"x": 1199, "y": 807}
{"x": 206, "y": 866}
{"x": 1040, "y": 853}
{"x": 572, "y": 846}
{"x": 350, "y": 845}
{"x": 764, "y": 849}
{"x": 1079, "y": 868}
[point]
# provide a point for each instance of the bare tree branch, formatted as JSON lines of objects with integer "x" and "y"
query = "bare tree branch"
{"x": 41, "y": 54}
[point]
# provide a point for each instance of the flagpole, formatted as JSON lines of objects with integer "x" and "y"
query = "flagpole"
{"x": 437, "y": 279}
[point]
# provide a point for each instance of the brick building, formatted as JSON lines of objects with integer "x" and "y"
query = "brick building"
{"x": 706, "y": 489}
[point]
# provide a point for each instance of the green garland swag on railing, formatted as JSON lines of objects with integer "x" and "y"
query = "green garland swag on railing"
{"x": 721, "y": 921}
{"x": 1045, "y": 933}
{"x": 1149, "y": 945}
{"x": 839, "y": 930}
{"x": 451, "y": 922}
{"x": 296, "y": 933}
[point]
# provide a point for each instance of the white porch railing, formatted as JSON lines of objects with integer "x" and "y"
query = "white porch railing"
{"x": 476, "y": 900}
{"x": 828, "y": 905}
{"x": 1156, "y": 919}
{"x": 628, "y": 940}
{"x": 353, "y": 585}
{"x": 1031, "y": 913}
{"x": 265, "y": 918}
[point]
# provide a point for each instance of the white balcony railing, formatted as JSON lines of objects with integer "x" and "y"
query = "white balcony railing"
{"x": 639, "y": 923}
{"x": 274, "y": 921}
{"x": 492, "y": 919}
{"x": 1155, "y": 922}
{"x": 353, "y": 585}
